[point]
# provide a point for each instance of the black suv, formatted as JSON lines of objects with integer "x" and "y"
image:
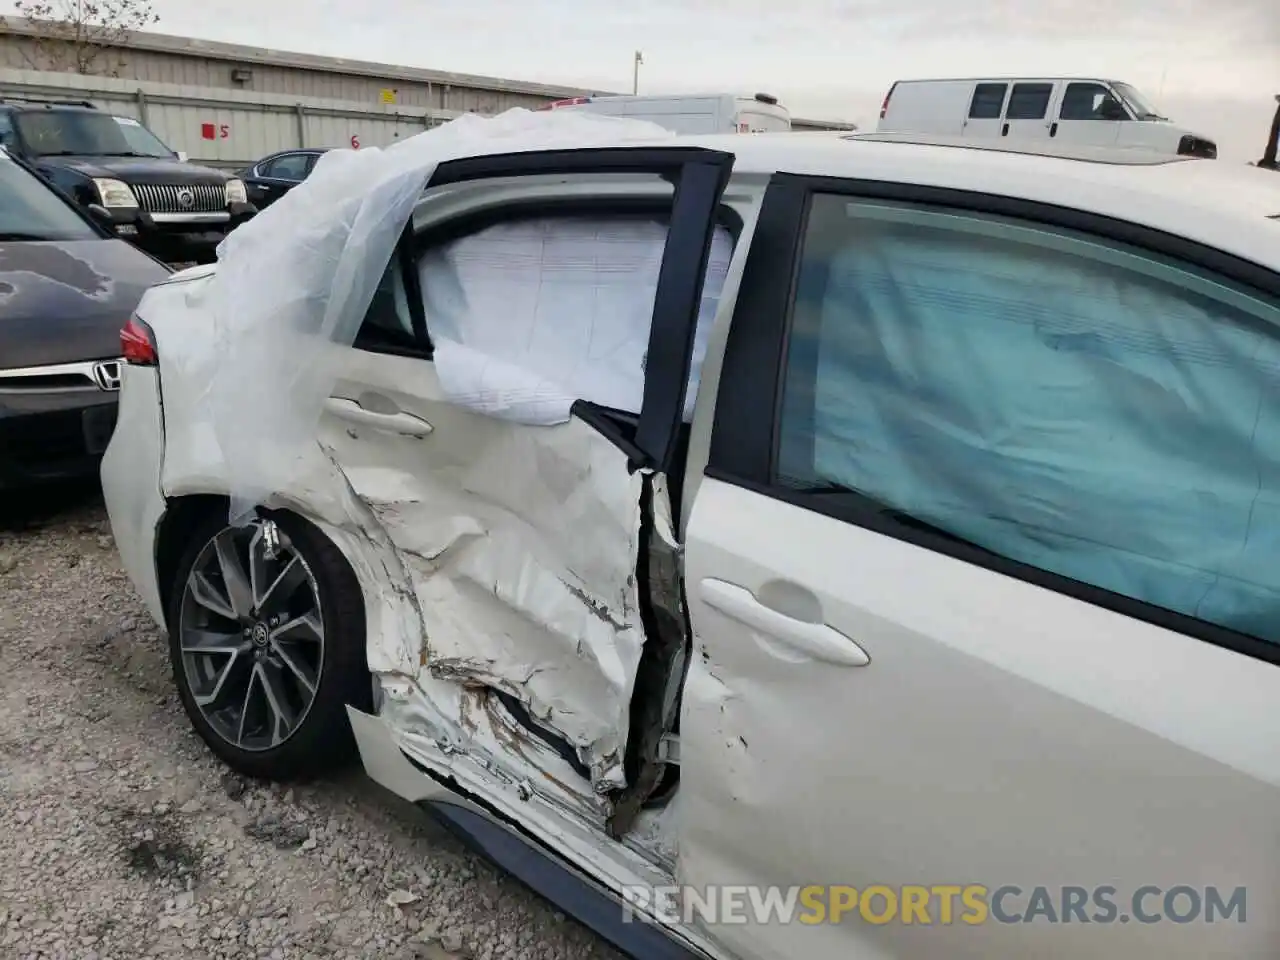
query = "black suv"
{"x": 175, "y": 210}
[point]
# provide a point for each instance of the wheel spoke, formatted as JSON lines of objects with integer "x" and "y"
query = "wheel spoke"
{"x": 288, "y": 655}
{"x": 239, "y": 592}
{"x": 213, "y": 642}
{"x": 203, "y": 592}
{"x": 282, "y": 714}
{"x": 291, "y": 577}
{"x": 244, "y": 706}
{"x": 305, "y": 628}
{"x": 209, "y": 701}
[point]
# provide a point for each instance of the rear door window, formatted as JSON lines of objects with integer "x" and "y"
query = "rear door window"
{"x": 988, "y": 101}
{"x": 292, "y": 166}
{"x": 1029, "y": 101}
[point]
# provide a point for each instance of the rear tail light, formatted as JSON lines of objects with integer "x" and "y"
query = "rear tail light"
{"x": 138, "y": 344}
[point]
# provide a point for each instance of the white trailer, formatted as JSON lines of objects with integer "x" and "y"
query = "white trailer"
{"x": 1071, "y": 110}
{"x": 691, "y": 114}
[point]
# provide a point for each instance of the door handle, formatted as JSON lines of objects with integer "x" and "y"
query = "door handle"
{"x": 1053, "y": 130}
{"x": 1004, "y": 131}
{"x": 816, "y": 640}
{"x": 398, "y": 422}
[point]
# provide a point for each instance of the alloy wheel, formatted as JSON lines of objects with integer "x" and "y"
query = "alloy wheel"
{"x": 251, "y": 636}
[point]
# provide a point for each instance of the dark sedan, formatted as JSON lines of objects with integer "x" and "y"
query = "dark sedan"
{"x": 67, "y": 286}
{"x": 273, "y": 176}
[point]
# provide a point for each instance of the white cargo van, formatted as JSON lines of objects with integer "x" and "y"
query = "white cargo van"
{"x": 691, "y": 114}
{"x": 1078, "y": 111}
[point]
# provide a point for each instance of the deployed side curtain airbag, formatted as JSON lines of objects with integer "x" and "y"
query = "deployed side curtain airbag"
{"x": 1108, "y": 417}
{"x": 529, "y": 316}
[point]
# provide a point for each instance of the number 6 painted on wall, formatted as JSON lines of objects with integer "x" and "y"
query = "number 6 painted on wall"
{"x": 355, "y": 141}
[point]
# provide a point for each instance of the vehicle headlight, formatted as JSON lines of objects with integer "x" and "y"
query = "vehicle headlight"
{"x": 115, "y": 193}
{"x": 236, "y": 192}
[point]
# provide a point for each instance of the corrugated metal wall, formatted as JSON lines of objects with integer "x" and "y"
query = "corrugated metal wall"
{"x": 229, "y": 105}
{"x": 193, "y": 70}
{"x": 229, "y": 128}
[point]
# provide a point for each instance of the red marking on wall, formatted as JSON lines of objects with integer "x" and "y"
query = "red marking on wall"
{"x": 207, "y": 131}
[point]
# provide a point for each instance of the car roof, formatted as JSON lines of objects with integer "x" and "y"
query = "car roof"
{"x": 1222, "y": 204}
{"x": 1038, "y": 148}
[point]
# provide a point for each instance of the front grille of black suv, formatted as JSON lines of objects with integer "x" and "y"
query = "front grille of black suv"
{"x": 181, "y": 197}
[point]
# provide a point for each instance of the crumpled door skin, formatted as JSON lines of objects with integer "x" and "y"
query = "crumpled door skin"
{"x": 522, "y": 554}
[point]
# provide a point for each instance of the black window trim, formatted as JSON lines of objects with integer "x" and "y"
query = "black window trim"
{"x": 745, "y": 433}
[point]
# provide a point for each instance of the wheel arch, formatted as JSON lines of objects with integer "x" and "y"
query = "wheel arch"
{"x": 181, "y": 516}
{"x": 184, "y": 513}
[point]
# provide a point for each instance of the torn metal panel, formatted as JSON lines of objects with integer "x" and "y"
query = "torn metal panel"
{"x": 521, "y": 548}
{"x": 660, "y": 672}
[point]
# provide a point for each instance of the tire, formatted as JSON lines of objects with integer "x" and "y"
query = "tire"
{"x": 278, "y": 662}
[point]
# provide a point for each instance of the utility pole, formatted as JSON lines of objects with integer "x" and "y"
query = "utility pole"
{"x": 635, "y": 72}
{"x": 1268, "y": 160}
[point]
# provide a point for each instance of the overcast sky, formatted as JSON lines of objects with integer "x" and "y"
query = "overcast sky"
{"x": 1213, "y": 66}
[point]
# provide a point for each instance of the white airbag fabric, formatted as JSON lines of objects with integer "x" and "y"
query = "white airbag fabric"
{"x": 528, "y": 317}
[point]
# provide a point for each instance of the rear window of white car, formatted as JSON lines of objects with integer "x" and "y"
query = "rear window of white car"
{"x": 539, "y": 311}
{"x": 1071, "y": 404}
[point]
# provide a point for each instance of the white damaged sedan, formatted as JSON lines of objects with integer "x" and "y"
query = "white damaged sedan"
{"x": 814, "y": 548}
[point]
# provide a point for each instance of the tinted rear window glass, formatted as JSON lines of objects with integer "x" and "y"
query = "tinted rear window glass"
{"x": 988, "y": 101}
{"x": 1029, "y": 101}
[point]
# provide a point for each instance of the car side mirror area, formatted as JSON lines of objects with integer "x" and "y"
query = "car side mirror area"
{"x": 101, "y": 214}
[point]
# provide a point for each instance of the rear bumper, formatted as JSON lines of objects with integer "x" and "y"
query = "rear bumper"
{"x": 53, "y": 436}
{"x": 131, "y": 481}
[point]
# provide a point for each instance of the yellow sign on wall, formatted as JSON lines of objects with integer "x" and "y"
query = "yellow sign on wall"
{"x": 388, "y": 96}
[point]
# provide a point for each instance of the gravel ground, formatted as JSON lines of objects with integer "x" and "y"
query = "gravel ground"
{"x": 121, "y": 837}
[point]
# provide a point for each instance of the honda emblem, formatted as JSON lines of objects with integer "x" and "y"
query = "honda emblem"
{"x": 107, "y": 375}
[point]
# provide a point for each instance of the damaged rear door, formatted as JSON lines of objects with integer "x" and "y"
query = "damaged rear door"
{"x": 522, "y": 515}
